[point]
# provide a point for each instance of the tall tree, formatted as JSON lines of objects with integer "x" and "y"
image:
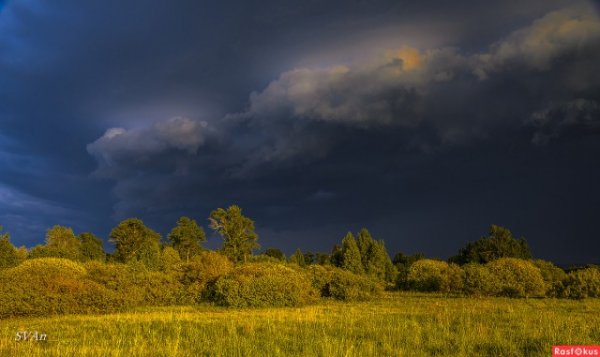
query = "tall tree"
{"x": 136, "y": 242}
{"x": 378, "y": 262}
{"x": 351, "y": 255}
{"x": 9, "y": 256}
{"x": 364, "y": 240}
{"x": 337, "y": 256}
{"x": 91, "y": 247}
{"x": 237, "y": 230}
{"x": 375, "y": 258}
{"x": 500, "y": 243}
{"x": 187, "y": 237}
{"x": 61, "y": 242}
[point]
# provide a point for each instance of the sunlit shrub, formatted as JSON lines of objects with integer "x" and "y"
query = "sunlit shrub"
{"x": 135, "y": 284}
{"x": 582, "y": 283}
{"x": 347, "y": 286}
{"x": 516, "y": 278}
{"x": 169, "y": 259}
{"x": 320, "y": 276}
{"x": 435, "y": 275}
{"x": 52, "y": 286}
{"x": 553, "y": 276}
{"x": 262, "y": 284}
{"x": 478, "y": 280}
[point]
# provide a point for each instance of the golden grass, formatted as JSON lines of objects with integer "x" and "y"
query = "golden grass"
{"x": 395, "y": 325}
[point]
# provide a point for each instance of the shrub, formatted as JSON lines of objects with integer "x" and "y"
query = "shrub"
{"x": 345, "y": 285}
{"x": 169, "y": 259}
{"x": 582, "y": 283}
{"x": 262, "y": 284}
{"x": 478, "y": 280}
{"x": 202, "y": 269}
{"x": 264, "y": 258}
{"x": 136, "y": 285}
{"x": 435, "y": 275}
{"x": 516, "y": 278}
{"x": 48, "y": 268}
{"x": 320, "y": 276}
{"x": 47, "y": 286}
{"x": 553, "y": 277}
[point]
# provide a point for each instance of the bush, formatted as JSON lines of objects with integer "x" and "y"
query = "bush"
{"x": 347, "y": 286}
{"x": 136, "y": 285}
{"x": 169, "y": 259}
{"x": 434, "y": 275}
{"x": 204, "y": 268}
{"x": 48, "y": 286}
{"x": 478, "y": 280}
{"x": 261, "y": 285}
{"x": 582, "y": 283}
{"x": 516, "y": 278}
{"x": 320, "y": 276}
{"x": 553, "y": 277}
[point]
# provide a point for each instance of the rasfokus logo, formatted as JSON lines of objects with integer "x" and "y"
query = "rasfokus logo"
{"x": 571, "y": 350}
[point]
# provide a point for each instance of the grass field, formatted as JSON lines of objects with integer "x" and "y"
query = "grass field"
{"x": 395, "y": 325}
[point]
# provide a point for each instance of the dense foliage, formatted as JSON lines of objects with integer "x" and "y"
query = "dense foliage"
{"x": 237, "y": 230}
{"x": 262, "y": 284}
{"x": 500, "y": 243}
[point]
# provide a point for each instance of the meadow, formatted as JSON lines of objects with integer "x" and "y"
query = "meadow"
{"x": 396, "y": 324}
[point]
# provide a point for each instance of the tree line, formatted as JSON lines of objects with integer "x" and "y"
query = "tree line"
{"x": 144, "y": 270}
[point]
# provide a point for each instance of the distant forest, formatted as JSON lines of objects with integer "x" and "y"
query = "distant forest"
{"x": 72, "y": 273}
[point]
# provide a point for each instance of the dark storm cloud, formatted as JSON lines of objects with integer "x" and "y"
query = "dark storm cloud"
{"x": 360, "y": 113}
{"x": 405, "y": 88}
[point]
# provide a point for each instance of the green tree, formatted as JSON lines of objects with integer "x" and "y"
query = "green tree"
{"x": 136, "y": 243}
{"x": 237, "y": 230}
{"x": 187, "y": 237}
{"x": 375, "y": 258}
{"x": 9, "y": 256}
{"x": 500, "y": 243}
{"x": 365, "y": 241}
{"x": 351, "y": 259}
{"x": 91, "y": 247}
{"x": 62, "y": 243}
{"x": 275, "y": 253}
{"x": 337, "y": 256}
{"x": 378, "y": 262}
{"x": 298, "y": 258}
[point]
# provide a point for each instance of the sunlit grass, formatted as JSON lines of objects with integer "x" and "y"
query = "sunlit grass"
{"x": 395, "y": 325}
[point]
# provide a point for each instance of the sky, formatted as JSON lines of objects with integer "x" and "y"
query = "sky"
{"x": 425, "y": 122}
